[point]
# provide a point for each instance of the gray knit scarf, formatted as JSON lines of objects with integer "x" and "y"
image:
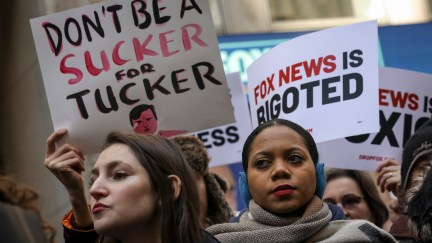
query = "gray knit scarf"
{"x": 258, "y": 225}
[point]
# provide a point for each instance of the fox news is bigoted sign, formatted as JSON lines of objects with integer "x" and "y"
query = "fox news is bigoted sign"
{"x": 405, "y": 101}
{"x": 101, "y": 61}
{"x": 326, "y": 81}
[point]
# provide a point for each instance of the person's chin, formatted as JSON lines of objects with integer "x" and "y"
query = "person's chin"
{"x": 103, "y": 227}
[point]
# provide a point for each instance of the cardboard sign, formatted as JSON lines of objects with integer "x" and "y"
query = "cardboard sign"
{"x": 119, "y": 64}
{"x": 405, "y": 100}
{"x": 326, "y": 81}
{"x": 225, "y": 143}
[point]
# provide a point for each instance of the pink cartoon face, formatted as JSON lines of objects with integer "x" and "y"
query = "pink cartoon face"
{"x": 146, "y": 123}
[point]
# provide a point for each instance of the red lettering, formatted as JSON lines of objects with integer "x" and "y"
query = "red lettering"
{"x": 329, "y": 62}
{"x": 116, "y": 56}
{"x": 382, "y": 97}
{"x": 164, "y": 44}
{"x": 284, "y": 75}
{"x": 270, "y": 83}
{"x": 141, "y": 50}
{"x": 295, "y": 70}
{"x": 256, "y": 94}
{"x": 91, "y": 67}
{"x": 195, "y": 37}
{"x": 413, "y": 102}
{"x": 312, "y": 66}
{"x": 70, "y": 70}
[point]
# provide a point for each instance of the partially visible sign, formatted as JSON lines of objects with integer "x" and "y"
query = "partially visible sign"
{"x": 225, "y": 143}
{"x": 405, "y": 100}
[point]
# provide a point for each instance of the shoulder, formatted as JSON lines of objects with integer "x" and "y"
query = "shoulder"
{"x": 236, "y": 218}
{"x": 360, "y": 230}
{"x": 20, "y": 225}
{"x": 337, "y": 212}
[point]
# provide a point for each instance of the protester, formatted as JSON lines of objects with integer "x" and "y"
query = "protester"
{"x": 224, "y": 171}
{"x": 214, "y": 209}
{"x": 142, "y": 190}
{"x": 415, "y": 196}
{"x": 389, "y": 179}
{"x": 20, "y": 220}
{"x": 356, "y": 193}
{"x": 280, "y": 159}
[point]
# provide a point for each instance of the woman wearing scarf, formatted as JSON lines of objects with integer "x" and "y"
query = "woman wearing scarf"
{"x": 284, "y": 179}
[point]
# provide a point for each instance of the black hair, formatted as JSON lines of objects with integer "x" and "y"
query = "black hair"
{"x": 135, "y": 113}
{"x": 306, "y": 136}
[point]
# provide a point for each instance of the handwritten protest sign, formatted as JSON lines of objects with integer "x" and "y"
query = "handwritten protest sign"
{"x": 326, "y": 81}
{"x": 225, "y": 143}
{"x": 117, "y": 64}
{"x": 405, "y": 100}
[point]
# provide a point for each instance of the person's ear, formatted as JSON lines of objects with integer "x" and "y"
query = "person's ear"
{"x": 175, "y": 183}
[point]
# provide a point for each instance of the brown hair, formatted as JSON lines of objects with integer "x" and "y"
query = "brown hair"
{"x": 16, "y": 194}
{"x": 161, "y": 158}
{"x": 369, "y": 190}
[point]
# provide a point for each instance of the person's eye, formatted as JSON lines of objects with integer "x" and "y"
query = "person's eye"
{"x": 262, "y": 163}
{"x": 351, "y": 200}
{"x": 91, "y": 182}
{"x": 329, "y": 200}
{"x": 295, "y": 158}
{"x": 119, "y": 175}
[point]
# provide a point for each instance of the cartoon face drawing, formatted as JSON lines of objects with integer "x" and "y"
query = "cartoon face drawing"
{"x": 143, "y": 119}
{"x": 146, "y": 123}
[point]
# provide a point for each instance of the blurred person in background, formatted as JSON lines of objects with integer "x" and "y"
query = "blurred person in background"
{"x": 20, "y": 220}
{"x": 225, "y": 173}
{"x": 415, "y": 196}
{"x": 356, "y": 193}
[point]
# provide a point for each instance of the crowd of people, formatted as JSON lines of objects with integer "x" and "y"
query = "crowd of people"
{"x": 147, "y": 188}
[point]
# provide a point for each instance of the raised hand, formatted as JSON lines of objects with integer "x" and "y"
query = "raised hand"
{"x": 67, "y": 164}
{"x": 389, "y": 177}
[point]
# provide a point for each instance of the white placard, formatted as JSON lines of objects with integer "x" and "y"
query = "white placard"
{"x": 326, "y": 81}
{"x": 405, "y": 99}
{"x": 101, "y": 61}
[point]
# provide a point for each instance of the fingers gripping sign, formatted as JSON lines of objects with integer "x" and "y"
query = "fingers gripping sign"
{"x": 65, "y": 162}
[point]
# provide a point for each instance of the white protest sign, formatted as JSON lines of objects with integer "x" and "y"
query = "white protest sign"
{"x": 225, "y": 143}
{"x": 405, "y": 99}
{"x": 326, "y": 81}
{"x": 101, "y": 61}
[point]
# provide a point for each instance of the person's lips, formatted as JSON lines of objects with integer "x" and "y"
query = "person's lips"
{"x": 283, "y": 190}
{"x": 99, "y": 207}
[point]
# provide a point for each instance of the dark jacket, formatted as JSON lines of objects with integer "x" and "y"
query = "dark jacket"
{"x": 20, "y": 225}
{"x": 72, "y": 234}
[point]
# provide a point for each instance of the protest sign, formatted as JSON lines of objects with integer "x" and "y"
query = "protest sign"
{"x": 225, "y": 143}
{"x": 326, "y": 81}
{"x": 117, "y": 64}
{"x": 405, "y": 100}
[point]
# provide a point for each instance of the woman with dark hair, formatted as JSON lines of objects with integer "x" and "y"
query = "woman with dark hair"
{"x": 283, "y": 176}
{"x": 142, "y": 190}
{"x": 356, "y": 193}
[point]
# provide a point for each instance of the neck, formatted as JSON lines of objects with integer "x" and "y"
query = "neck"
{"x": 150, "y": 233}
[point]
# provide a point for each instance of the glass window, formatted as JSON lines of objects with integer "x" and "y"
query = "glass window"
{"x": 282, "y": 10}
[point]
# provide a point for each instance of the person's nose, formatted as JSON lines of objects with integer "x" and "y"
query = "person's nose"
{"x": 280, "y": 170}
{"x": 98, "y": 189}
